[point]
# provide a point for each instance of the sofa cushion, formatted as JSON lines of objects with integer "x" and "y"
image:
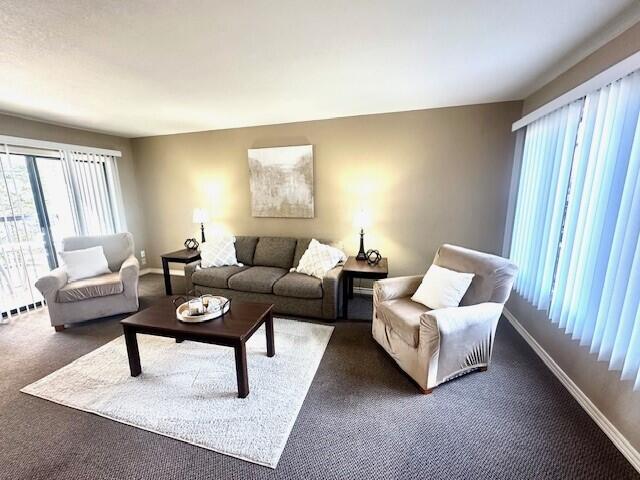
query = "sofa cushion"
{"x": 256, "y": 279}
{"x": 403, "y": 316}
{"x": 301, "y": 246}
{"x": 245, "y": 248}
{"x": 298, "y": 285}
{"x": 275, "y": 252}
{"x": 216, "y": 277}
{"x": 100, "y": 286}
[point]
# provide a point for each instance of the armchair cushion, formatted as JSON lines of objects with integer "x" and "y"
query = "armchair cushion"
{"x": 402, "y": 316}
{"x": 100, "y": 286}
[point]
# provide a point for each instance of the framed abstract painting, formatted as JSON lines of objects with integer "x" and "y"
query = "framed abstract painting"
{"x": 281, "y": 181}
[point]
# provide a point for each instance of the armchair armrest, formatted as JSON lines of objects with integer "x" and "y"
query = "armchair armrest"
{"x": 331, "y": 292}
{"x": 189, "y": 269}
{"x": 129, "y": 273}
{"x": 130, "y": 268}
{"x": 397, "y": 287}
{"x": 457, "y": 319}
{"x": 458, "y": 339}
{"x": 51, "y": 283}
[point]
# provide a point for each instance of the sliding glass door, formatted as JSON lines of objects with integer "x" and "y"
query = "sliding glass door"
{"x": 35, "y": 214}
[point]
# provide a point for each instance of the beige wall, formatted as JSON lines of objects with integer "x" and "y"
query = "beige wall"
{"x": 19, "y": 127}
{"x": 618, "y": 49}
{"x": 427, "y": 177}
{"x": 614, "y": 398}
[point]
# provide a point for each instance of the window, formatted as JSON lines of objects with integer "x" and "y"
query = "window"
{"x": 44, "y": 197}
{"x": 577, "y": 222}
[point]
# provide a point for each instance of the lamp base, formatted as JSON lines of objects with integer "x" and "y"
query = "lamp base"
{"x": 361, "y": 253}
{"x": 202, "y": 232}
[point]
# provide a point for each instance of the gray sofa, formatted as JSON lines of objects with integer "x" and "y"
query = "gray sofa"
{"x": 265, "y": 277}
{"x": 89, "y": 298}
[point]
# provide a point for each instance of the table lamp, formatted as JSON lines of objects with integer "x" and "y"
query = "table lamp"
{"x": 200, "y": 216}
{"x": 362, "y": 221}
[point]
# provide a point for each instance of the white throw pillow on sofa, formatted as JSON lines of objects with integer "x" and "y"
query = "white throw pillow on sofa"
{"x": 218, "y": 251}
{"x": 85, "y": 263}
{"x": 442, "y": 288}
{"x": 318, "y": 259}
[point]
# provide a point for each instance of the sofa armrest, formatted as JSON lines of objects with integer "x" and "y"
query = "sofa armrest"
{"x": 331, "y": 293}
{"x": 189, "y": 270}
{"x": 53, "y": 281}
{"x": 129, "y": 276}
{"x": 457, "y": 339}
{"x": 397, "y": 287}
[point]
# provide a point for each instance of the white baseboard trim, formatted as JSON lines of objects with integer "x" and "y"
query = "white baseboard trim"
{"x": 146, "y": 271}
{"x": 619, "y": 440}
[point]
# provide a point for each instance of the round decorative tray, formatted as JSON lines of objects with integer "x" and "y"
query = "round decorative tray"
{"x": 218, "y": 306}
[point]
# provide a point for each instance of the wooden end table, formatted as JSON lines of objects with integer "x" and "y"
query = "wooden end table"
{"x": 359, "y": 269}
{"x": 233, "y": 329}
{"x": 179, "y": 256}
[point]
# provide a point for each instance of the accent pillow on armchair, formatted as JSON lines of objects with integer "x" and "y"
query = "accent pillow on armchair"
{"x": 442, "y": 288}
{"x": 84, "y": 263}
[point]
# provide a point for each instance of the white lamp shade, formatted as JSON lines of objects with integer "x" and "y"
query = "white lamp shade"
{"x": 200, "y": 215}
{"x": 362, "y": 219}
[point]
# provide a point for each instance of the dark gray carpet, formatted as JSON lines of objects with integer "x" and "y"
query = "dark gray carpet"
{"x": 362, "y": 418}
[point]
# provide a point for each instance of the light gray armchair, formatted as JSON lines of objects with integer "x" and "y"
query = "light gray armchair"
{"x": 101, "y": 296}
{"x": 434, "y": 346}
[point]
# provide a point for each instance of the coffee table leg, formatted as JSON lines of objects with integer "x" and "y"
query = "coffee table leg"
{"x": 241, "y": 370}
{"x": 132, "y": 351}
{"x": 271, "y": 349}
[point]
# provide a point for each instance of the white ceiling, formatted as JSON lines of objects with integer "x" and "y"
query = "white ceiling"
{"x": 149, "y": 67}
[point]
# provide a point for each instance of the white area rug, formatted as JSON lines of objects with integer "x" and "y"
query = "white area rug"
{"x": 188, "y": 390}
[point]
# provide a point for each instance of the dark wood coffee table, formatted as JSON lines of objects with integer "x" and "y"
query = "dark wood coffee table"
{"x": 233, "y": 329}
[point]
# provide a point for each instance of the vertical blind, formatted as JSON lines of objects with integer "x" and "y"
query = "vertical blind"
{"x": 94, "y": 189}
{"x": 546, "y": 165}
{"x": 90, "y": 183}
{"x": 577, "y": 222}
